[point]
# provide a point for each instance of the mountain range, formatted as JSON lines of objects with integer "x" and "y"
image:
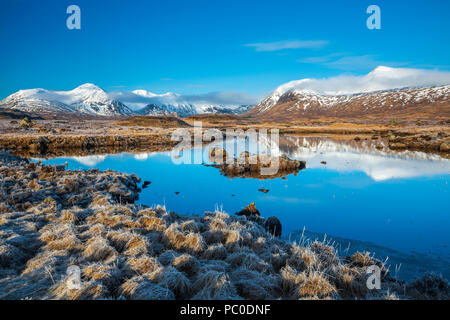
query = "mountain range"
{"x": 383, "y": 91}
{"x": 90, "y": 99}
{"x": 173, "y": 103}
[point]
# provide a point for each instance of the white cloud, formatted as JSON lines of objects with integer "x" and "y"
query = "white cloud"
{"x": 118, "y": 87}
{"x": 343, "y": 61}
{"x": 144, "y": 156}
{"x": 223, "y": 98}
{"x": 381, "y": 78}
{"x": 282, "y": 45}
{"x": 355, "y": 63}
{"x": 90, "y": 161}
{"x": 322, "y": 59}
{"x": 141, "y": 156}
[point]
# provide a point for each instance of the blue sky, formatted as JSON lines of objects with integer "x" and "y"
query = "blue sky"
{"x": 201, "y": 46}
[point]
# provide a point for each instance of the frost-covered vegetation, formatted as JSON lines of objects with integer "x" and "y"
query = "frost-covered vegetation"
{"x": 51, "y": 218}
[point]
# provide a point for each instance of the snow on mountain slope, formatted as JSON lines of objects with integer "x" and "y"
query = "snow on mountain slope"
{"x": 144, "y": 93}
{"x": 35, "y": 105}
{"x": 302, "y": 102}
{"x": 384, "y": 87}
{"x": 170, "y": 103}
{"x": 156, "y": 109}
{"x": 185, "y": 110}
{"x": 87, "y": 98}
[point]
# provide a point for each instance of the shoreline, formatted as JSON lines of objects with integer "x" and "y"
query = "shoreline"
{"x": 53, "y": 218}
{"x": 411, "y": 265}
{"x": 139, "y": 133}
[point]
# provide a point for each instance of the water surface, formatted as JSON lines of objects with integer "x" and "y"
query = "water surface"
{"x": 399, "y": 200}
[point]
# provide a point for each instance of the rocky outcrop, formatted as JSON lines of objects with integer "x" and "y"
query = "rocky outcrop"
{"x": 249, "y": 211}
{"x": 272, "y": 224}
{"x": 254, "y": 166}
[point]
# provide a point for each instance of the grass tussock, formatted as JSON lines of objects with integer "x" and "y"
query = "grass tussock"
{"x": 143, "y": 264}
{"x": 99, "y": 250}
{"x": 214, "y": 285}
{"x": 138, "y": 288}
{"x": 187, "y": 264}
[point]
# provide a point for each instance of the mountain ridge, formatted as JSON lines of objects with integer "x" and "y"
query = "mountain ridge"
{"x": 384, "y": 89}
{"x": 89, "y": 99}
{"x": 301, "y": 103}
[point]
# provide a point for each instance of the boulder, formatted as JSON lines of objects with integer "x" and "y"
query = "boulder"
{"x": 249, "y": 211}
{"x": 273, "y": 226}
{"x": 146, "y": 184}
{"x": 397, "y": 145}
{"x": 444, "y": 147}
{"x": 218, "y": 155}
{"x": 60, "y": 167}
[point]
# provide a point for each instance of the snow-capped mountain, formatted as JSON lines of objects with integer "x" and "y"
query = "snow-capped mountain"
{"x": 186, "y": 110}
{"x": 87, "y": 99}
{"x": 173, "y": 103}
{"x": 304, "y": 102}
{"x": 91, "y": 99}
{"x": 383, "y": 89}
